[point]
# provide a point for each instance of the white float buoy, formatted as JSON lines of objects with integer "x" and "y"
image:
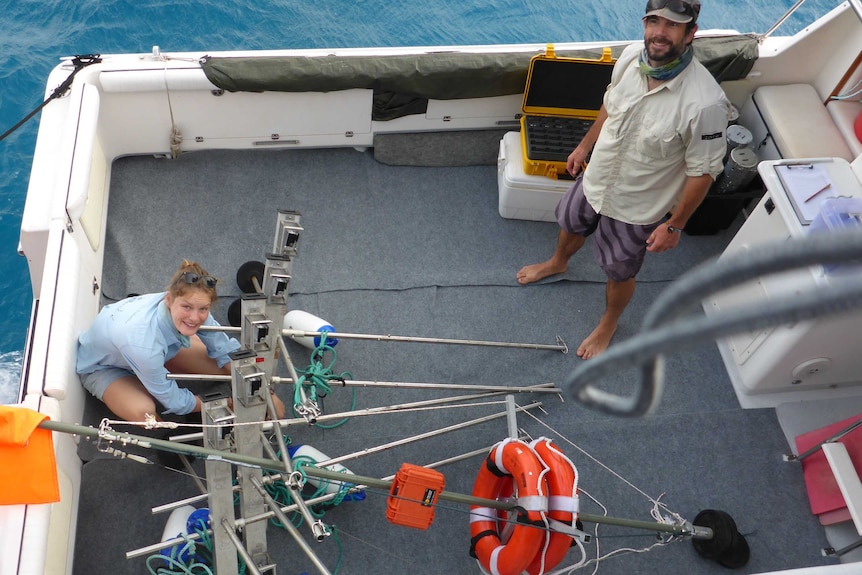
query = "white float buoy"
{"x": 176, "y": 527}
{"x": 299, "y": 320}
{"x": 302, "y": 451}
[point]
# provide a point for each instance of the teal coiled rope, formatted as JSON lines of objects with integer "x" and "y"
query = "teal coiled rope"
{"x": 316, "y": 378}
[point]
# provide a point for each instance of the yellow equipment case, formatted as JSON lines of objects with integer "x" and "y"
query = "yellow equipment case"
{"x": 561, "y": 101}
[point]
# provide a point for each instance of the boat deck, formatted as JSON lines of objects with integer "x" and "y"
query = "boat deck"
{"x": 422, "y": 251}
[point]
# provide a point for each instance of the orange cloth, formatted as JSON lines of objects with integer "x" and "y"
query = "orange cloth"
{"x": 28, "y": 470}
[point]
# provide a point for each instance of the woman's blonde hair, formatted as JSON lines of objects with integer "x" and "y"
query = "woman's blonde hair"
{"x": 191, "y": 275}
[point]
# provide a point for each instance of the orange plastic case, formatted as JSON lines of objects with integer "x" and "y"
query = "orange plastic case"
{"x": 560, "y": 87}
{"x": 413, "y": 495}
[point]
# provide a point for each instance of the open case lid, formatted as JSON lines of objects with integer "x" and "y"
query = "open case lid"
{"x": 559, "y": 86}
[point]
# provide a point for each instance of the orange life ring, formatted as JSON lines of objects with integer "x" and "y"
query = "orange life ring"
{"x": 563, "y": 504}
{"x": 510, "y": 461}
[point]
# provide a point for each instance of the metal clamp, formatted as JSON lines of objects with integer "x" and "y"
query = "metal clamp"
{"x": 308, "y": 410}
{"x": 320, "y": 530}
{"x": 295, "y": 480}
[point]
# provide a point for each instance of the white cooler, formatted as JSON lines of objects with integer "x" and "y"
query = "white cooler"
{"x": 522, "y": 196}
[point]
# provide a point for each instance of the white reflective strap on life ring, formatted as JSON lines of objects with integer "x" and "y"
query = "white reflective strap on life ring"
{"x": 534, "y": 503}
{"x": 495, "y": 555}
{"x": 482, "y": 514}
{"x": 571, "y": 504}
{"x": 498, "y": 454}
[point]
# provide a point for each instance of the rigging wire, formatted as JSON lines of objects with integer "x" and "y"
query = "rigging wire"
{"x": 657, "y": 504}
{"x": 79, "y": 62}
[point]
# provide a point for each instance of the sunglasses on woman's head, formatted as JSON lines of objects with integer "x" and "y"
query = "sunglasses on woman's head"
{"x": 192, "y": 278}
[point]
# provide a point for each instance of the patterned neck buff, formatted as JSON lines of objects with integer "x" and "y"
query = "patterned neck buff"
{"x": 669, "y": 70}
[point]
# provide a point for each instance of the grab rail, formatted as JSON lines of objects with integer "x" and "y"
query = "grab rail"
{"x": 781, "y": 20}
{"x": 856, "y": 5}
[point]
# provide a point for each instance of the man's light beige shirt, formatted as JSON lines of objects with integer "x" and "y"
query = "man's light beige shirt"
{"x": 652, "y": 140}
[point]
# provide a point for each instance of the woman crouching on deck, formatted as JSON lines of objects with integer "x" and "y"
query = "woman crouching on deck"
{"x": 126, "y": 355}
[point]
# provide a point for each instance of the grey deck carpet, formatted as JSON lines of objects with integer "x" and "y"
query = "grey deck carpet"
{"x": 422, "y": 251}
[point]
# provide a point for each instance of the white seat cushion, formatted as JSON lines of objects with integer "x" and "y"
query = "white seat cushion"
{"x": 799, "y": 123}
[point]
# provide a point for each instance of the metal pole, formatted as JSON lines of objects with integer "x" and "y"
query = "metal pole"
{"x": 308, "y": 409}
{"x": 419, "y": 437}
{"x": 241, "y": 522}
{"x": 381, "y": 410}
{"x": 511, "y": 417}
{"x": 294, "y": 333}
{"x": 398, "y": 408}
{"x": 277, "y": 476}
{"x": 320, "y": 473}
{"x": 273, "y": 505}
{"x": 832, "y": 439}
{"x": 318, "y": 529}
{"x": 240, "y": 548}
{"x": 548, "y": 387}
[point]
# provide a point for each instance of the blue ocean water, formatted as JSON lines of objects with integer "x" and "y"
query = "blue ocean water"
{"x": 39, "y": 32}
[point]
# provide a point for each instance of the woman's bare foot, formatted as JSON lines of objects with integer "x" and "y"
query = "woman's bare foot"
{"x": 535, "y": 272}
{"x": 598, "y": 341}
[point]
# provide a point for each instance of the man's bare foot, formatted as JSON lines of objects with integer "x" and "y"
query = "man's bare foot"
{"x": 598, "y": 341}
{"x": 535, "y": 272}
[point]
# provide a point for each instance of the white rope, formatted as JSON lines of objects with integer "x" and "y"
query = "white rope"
{"x": 656, "y": 513}
{"x": 655, "y": 501}
{"x": 176, "y": 134}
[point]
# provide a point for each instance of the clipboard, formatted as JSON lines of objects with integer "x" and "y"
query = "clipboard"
{"x": 807, "y": 186}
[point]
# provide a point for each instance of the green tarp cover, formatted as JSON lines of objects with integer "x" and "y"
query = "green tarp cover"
{"x": 403, "y": 84}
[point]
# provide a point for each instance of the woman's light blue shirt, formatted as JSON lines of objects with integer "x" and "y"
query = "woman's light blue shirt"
{"x": 138, "y": 334}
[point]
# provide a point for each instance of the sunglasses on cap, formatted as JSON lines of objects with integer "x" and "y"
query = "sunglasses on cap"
{"x": 678, "y": 6}
{"x": 192, "y": 278}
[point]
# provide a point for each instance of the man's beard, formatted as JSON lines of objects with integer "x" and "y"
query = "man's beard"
{"x": 674, "y": 51}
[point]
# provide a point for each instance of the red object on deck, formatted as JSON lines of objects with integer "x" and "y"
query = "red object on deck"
{"x": 824, "y": 495}
{"x": 413, "y": 495}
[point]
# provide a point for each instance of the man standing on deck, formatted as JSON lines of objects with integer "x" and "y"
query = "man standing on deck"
{"x": 657, "y": 145}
